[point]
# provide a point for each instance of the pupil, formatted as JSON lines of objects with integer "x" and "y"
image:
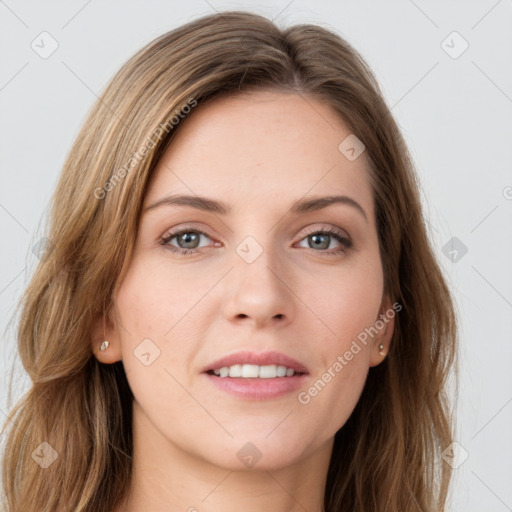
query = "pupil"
{"x": 316, "y": 237}
{"x": 187, "y": 237}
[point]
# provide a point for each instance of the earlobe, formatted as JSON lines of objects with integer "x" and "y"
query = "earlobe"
{"x": 380, "y": 347}
{"x": 107, "y": 353}
{"x": 381, "y": 343}
{"x": 106, "y": 344}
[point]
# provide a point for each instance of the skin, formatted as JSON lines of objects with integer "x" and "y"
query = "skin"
{"x": 259, "y": 153}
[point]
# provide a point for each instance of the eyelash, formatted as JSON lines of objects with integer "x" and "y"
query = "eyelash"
{"x": 346, "y": 244}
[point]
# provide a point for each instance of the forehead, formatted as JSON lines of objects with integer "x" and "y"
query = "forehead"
{"x": 266, "y": 146}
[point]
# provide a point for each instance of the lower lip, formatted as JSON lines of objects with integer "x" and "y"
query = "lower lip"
{"x": 258, "y": 389}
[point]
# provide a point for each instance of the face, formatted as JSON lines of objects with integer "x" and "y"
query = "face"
{"x": 254, "y": 275}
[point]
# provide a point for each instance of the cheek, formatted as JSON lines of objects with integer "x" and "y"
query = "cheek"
{"x": 154, "y": 306}
{"x": 146, "y": 310}
{"x": 345, "y": 302}
{"x": 348, "y": 307}
{"x": 332, "y": 395}
{"x": 154, "y": 298}
{"x": 336, "y": 385}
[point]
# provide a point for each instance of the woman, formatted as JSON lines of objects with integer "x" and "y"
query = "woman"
{"x": 241, "y": 307}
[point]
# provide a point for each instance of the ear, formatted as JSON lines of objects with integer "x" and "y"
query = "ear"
{"x": 105, "y": 329}
{"x": 385, "y": 325}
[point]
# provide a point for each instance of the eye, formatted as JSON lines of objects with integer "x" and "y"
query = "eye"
{"x": 187, "y": 238}
{"x": 320, "y": 239}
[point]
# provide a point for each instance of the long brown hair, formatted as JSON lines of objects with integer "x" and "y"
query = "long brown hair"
{"x": 386, "y": 457}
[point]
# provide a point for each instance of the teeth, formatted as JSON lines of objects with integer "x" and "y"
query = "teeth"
{"x": 281, "y": 371}
{"x": 254, "y": 371}
{"x": 235, "y": 370}
{"x": 250, "y": 370}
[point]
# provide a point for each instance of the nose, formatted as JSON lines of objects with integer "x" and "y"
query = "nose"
{"x": 260, "y": 293}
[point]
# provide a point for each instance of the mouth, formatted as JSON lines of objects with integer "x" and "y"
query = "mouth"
{"x": 254, "y": 371}
{"x": 252, "y": 376}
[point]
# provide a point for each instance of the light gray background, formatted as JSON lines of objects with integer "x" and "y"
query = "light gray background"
{"x": 456, "y": 115}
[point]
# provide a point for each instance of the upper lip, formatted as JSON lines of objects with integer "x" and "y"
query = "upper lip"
{"x": 262, "y": 359}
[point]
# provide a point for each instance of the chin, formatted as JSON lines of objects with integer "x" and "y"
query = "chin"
{"x": 259, "y": 452}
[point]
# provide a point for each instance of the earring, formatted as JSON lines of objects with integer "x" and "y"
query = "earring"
{"x": 104, "y": 345}
{"x": 381, "y": 348}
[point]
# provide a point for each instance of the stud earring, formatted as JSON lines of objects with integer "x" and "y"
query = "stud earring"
{"x": 104, "y": 345}
{"x": 381, "y": 348}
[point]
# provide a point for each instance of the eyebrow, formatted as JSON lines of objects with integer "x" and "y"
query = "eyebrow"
{"x": 211, "y": 205}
